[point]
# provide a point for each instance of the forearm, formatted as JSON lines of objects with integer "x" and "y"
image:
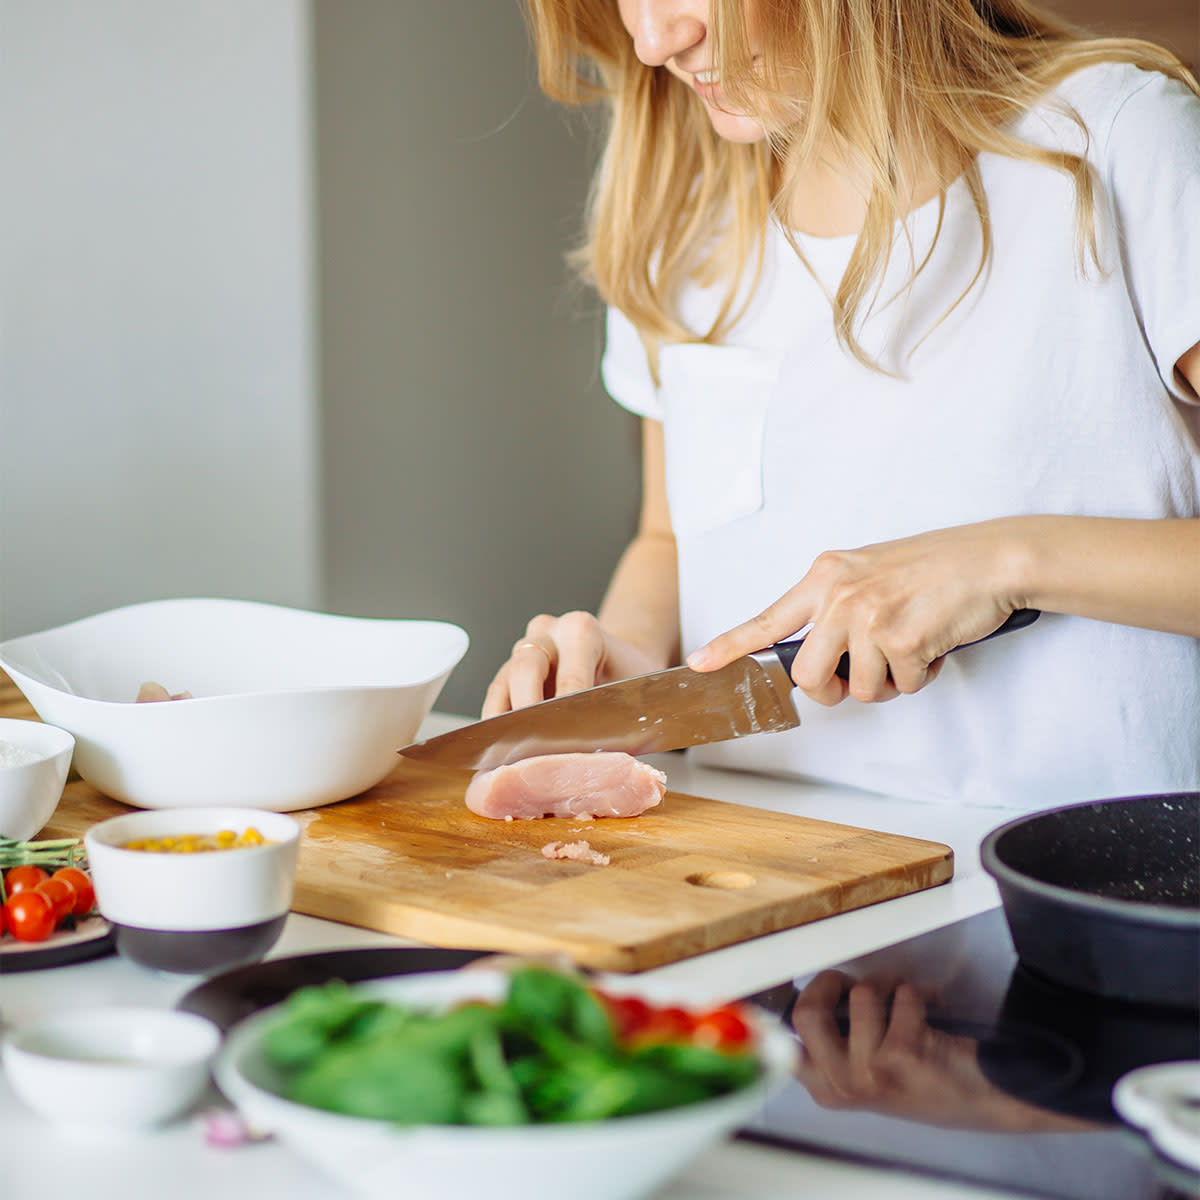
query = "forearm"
{"x": 641, "y": 605}
{"x": 1144, "y": 573}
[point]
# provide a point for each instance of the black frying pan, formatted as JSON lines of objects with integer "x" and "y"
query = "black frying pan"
{"x": 1105, "y": 896}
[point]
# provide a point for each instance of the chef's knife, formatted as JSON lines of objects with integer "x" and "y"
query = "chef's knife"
{"x": 665, "y": 710}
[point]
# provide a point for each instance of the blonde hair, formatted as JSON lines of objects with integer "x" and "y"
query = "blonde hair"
{"x": 672, "y": 203}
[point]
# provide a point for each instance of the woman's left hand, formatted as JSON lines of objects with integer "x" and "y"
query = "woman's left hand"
{"x": 897, "y": 608}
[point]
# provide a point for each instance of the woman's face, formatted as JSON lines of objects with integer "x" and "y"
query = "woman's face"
{"x": 674, "y": 34}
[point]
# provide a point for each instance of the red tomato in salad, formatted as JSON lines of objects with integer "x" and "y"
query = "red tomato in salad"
{"x": 85, "y": 895}
{"x": 634, "y": 1020}
{"x": 61, "y": 894}
{"x": 20, "y": 879}
{"x": 671, "y": 1024}
{"x": 628, "y": 1014}
{"x": 724, "y": 1028}
{"x": 29, "y": 916}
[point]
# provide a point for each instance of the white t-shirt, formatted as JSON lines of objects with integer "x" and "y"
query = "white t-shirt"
{"x": 1049, "y": 389}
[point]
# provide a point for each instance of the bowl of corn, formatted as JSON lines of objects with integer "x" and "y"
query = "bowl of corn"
{"x": 194, "y": 890}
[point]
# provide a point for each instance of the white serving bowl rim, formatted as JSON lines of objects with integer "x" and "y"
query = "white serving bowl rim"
{"x": 15, "y": 661}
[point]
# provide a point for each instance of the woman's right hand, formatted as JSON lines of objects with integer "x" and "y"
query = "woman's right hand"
{"x": 560, "y": 655}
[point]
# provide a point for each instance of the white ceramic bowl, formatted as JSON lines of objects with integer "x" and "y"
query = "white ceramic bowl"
{"x": 290, "y": 709}
{"x": 30, "y": 790}
{"x": 200, "y": 912}
{"x": 111, "y": 1068}
{"x": 616, "y": 1159}
{"x": 1163, "y": 1101}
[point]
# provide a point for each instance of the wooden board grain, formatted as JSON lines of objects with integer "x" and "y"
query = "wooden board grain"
{"x": 692, "y": 875}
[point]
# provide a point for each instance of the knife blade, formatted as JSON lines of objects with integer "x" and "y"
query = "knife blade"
{"x": 664, "y": 710}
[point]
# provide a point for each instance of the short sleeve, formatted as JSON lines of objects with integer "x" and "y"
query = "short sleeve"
{"x": 1152, "y": 170}
{"x": 625, "y": 368}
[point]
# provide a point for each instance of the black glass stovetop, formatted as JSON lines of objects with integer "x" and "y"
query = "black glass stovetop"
{"x": 995, "y": 1076}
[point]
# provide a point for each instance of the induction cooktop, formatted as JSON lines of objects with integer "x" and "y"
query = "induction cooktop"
{"x": 978, "y": 1070}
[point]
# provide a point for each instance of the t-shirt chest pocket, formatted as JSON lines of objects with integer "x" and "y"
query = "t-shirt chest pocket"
{"x": 714, "y": 404}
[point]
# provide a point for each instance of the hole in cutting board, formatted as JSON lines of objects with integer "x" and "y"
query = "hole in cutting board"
{"x": 726, "y": 880}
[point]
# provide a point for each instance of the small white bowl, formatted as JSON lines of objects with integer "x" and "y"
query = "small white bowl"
{"x": 111, "y": 1068}
{"x": 1163, "y": 1101}
{"x": 288, "y": 709}
{"x": 615, "y": 1159}
{"x": 30, "y": 790}
{"x": 199, "y": 912}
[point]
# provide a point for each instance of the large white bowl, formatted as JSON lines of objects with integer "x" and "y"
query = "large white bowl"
{"x": 291, "y": 709}
{"x": 30, "y": 791}
{"x": 108, "y": 1069}
{"x": 616, "y": 1159}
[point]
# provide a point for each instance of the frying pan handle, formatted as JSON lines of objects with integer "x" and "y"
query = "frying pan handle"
{"x": 786, "y": 651}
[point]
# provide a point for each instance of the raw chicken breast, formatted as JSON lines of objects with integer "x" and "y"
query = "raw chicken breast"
{"x": 151, "y": 693}
{"x": 604, "y": 784}
{"x": 580, "y": 851}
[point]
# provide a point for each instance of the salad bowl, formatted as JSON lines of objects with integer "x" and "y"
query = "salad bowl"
{"x": 614, "y": 1158}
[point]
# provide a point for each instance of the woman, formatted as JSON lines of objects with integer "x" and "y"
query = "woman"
{"x": 907, "y": 294}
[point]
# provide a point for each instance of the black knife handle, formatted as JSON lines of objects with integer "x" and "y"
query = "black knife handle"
{"x": 786, "y": 651}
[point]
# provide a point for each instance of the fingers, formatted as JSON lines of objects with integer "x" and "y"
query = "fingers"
{"x": 895, "y": 608}
{"x": 868, "y": 1026}
{"x": 557, "y": 655}
{"x": 822, "y": 1060}
{"x": 815, "y": 666}
{"x": 526, "y": 678}
{"x": 495, "y": 699}
{"x": 867, "y": 1058}
{"x": 771, "y": 625}
{"x": 884, "y": 662}
{"x": 530, "y": 668}
{"x": 908, "y": 1027}
{"x": 579, "y": 642}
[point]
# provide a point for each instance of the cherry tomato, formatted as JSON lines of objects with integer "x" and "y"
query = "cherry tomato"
{"x": 85, "y": 896}
{"x": 30, "y": 916}
{"x": 724, "y": 1028}
{"x": 61, "y": 895}
{"x": 18, "y": 879}
{"x": 670, "y": 1024}
{"x": 628, "y": 1013}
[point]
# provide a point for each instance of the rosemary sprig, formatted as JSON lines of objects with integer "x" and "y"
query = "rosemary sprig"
{"x": 51, "y": 854}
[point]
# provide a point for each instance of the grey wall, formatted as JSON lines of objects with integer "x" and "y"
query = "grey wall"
{"x": 472, "y": 467}
{"x": 415, "y": 430}
{"x": 157, "y": 389}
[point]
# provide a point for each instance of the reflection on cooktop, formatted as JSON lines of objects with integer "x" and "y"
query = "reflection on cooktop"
{"x": 945, "y": 1055}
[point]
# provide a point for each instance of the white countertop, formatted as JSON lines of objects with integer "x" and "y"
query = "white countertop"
{"x": 176, "y": 1161}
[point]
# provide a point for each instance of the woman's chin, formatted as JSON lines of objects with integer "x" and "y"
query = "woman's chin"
{"x": 735, "y": 126}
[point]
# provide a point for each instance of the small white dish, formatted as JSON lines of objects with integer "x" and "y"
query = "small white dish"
{"x": 198, "y": 912}
{"x": 618, "y": 1158}
{"x": 110, "y": 1069}
{"x": 287, "y": 709}
{"x": 1163, "y": 1101}
{"x": 34, "y": 761}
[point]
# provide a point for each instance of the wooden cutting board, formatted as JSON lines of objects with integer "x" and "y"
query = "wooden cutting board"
{"x": 408, "y": 858}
